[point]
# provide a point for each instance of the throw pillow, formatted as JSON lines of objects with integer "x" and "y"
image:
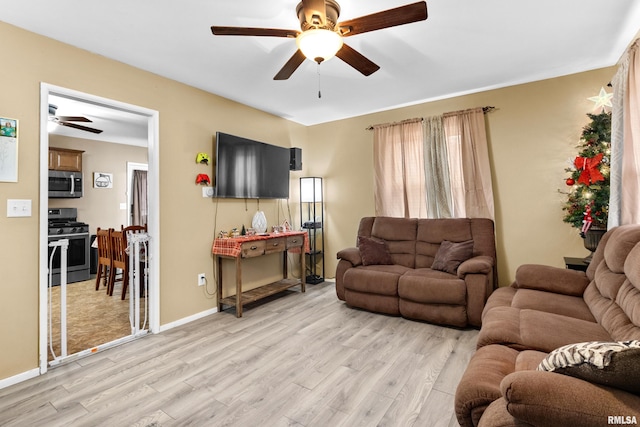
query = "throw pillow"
{"x": 450, "y": 255}
{"x": 614, "y": 364}
{"x": 374, "y": 251}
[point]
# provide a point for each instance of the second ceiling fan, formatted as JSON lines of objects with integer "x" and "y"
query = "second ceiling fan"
{"x": 322, "y": 34}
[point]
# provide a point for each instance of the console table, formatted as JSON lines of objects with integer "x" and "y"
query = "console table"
{"x": 239, "y": 248}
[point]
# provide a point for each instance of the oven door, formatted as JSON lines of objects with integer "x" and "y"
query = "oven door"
{"x": 78, "y": 268}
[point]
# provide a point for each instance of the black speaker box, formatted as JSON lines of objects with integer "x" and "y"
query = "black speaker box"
{"x": 295, "y": 159}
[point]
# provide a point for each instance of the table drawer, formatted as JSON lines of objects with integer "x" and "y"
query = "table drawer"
{"x": 251, "y": 249}
{"x": 275, "y": 245}
{"x": 294, "y": 242}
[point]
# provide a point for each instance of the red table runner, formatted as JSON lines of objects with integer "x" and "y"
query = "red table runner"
{"x": 232, "y": 247}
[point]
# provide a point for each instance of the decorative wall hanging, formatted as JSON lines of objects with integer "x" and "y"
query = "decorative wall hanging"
{"x": 102, "y": 180}
{"x": 8, "y": 150}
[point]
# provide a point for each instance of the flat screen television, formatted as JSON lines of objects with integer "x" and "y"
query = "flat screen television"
{"x": 247, "y": 169}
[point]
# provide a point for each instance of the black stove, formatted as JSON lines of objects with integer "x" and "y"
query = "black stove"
{"x": 63, "y": 221}
{"x": 64, "y": 224}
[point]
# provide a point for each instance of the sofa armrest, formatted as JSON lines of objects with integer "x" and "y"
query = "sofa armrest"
{"x": 551, "y": 399}
{"x": 551, "y": 279}
{"x": 476, "y": 265}
{"x": 352, "y": 255}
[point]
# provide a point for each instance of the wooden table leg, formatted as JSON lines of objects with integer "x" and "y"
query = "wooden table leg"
{"x": 303, "y": 269}
{"x": 238, "y": 288}
{"x": 219, "y": 283}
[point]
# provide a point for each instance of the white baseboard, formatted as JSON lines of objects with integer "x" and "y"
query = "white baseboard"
{"x": 6, "y": 382}
{"x": 188, "y": 319}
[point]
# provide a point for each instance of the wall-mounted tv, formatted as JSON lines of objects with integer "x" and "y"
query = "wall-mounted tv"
{"x": 247, "y": 169}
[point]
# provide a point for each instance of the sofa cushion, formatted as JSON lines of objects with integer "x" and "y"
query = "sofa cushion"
{"x": 432, "y": 287}
{"x": 374, "y": 251}
{"x": 552, "y": 303}
{"x": 374, "y": 279}
{"x": 450, "y": 255}
{"x": 432, "y": 232}
{"x": 400, "y": 236}
{"x": 536, "y": 330}
{"x": 614, "y": 364}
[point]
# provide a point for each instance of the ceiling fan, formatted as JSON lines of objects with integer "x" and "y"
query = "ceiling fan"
{"x": 66, "y": 120}
{"x": 322, "y": 34}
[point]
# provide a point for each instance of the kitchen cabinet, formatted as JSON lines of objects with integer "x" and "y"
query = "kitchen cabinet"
{"x": 65, "y": 159}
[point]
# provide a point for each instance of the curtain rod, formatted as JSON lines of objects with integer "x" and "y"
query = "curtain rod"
{"x": 485, "y": 110}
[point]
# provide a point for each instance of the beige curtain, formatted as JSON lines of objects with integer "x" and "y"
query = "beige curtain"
{"x": 139, "y": 210}
{"x": 399, "y": 182}
{"x": 470, "y": 170}
{"x": 436, "y": 167}
{"x": 624, "y": 203}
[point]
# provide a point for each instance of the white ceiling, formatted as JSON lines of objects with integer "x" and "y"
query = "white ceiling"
{"x": 464, "y": 46}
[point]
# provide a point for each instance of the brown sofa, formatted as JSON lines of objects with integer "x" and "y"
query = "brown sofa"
{"x": 547, "y": 308}
{"x": 402, "y": 281}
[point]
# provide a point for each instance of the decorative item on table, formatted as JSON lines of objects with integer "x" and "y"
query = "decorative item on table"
{"x": 251, "y": 232}
{"x": 203, "y": 179}
{"x": 277, "y": 229}
{"x": 223, "y": 235}
{"x": 285, "y": 225}
{"x": 235, "y": 232}
{"x": 587, "y": 205}
{"x": 202, "y": 158}
{"x": 259, "y": 222}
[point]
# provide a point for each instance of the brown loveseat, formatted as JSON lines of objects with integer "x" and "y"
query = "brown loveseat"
{"x": 437, "y": 270}
{"x": 541, "y": 317}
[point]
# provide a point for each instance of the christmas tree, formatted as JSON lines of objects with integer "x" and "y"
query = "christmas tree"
{"x": 588, "y": 200}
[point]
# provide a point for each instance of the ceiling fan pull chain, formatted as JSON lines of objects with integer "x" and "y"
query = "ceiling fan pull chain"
{"x": 319, "y": 85}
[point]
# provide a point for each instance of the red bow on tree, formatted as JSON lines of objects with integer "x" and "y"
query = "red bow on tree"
{"x": 590, "y": 173}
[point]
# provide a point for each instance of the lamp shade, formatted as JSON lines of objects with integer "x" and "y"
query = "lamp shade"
{"x": 319, "y": 44}
{"x": 310, "y": 189}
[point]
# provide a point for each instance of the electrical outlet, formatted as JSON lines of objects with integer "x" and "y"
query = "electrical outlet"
{"x": 202, "y": 279}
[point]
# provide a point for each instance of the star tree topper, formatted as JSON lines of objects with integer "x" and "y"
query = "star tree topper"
{"x": 602, "y": 100}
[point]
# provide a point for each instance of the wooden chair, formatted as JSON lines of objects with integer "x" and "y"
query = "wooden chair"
{"x": 104, "y": 256}
{"x": 119, "y": 260}
{"x": 126, "y": 231}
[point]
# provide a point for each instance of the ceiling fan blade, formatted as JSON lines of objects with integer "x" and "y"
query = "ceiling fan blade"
{"x": 315, "y": 12}
{"x": 75, "y": 126}
{"x": 73, "y": 119}
{"x": 385, "y": 19}
{"x": 292, "y": 65}
{"x": 357, "y": 60}
{"x": 246, "y": 31}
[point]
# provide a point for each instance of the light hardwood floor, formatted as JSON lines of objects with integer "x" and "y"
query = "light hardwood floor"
{"x": 297, "y": 360}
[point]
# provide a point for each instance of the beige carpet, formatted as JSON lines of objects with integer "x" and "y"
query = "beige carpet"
{"x": 93, "y": 317}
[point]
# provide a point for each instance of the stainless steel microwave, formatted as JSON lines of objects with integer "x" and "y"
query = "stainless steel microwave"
{"x": 65, "y": 185}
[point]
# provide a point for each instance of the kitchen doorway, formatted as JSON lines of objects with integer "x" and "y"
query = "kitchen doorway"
{"x": 120, "y": 111}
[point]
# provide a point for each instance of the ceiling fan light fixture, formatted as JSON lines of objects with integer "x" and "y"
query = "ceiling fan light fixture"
{"x": 319, "y": 44}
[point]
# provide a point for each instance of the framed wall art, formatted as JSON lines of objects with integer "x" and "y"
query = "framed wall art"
{"x": 8, "y": 150}
{"x": 102, "y": 180}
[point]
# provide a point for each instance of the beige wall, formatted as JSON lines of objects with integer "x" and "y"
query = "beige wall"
{"x": 100, "y": 207}
{"x": 533, "y": 132}
{"x": 189, "y": 119}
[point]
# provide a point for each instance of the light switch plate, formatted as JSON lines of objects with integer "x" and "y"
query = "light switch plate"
{"x": 18, "y": 208}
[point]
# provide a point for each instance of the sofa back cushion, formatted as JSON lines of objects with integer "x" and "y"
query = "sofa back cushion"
{"x": 432, "y": 232}
{"x": 613, "y": 296}
{"x": 398, "y": 233}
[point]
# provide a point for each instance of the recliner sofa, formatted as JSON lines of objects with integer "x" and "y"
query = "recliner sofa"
{"x": 405, "y": 282}
{"x": 559, "y": 316}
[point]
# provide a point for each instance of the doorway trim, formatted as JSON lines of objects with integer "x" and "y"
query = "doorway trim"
{"x": 153, "y": 133}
